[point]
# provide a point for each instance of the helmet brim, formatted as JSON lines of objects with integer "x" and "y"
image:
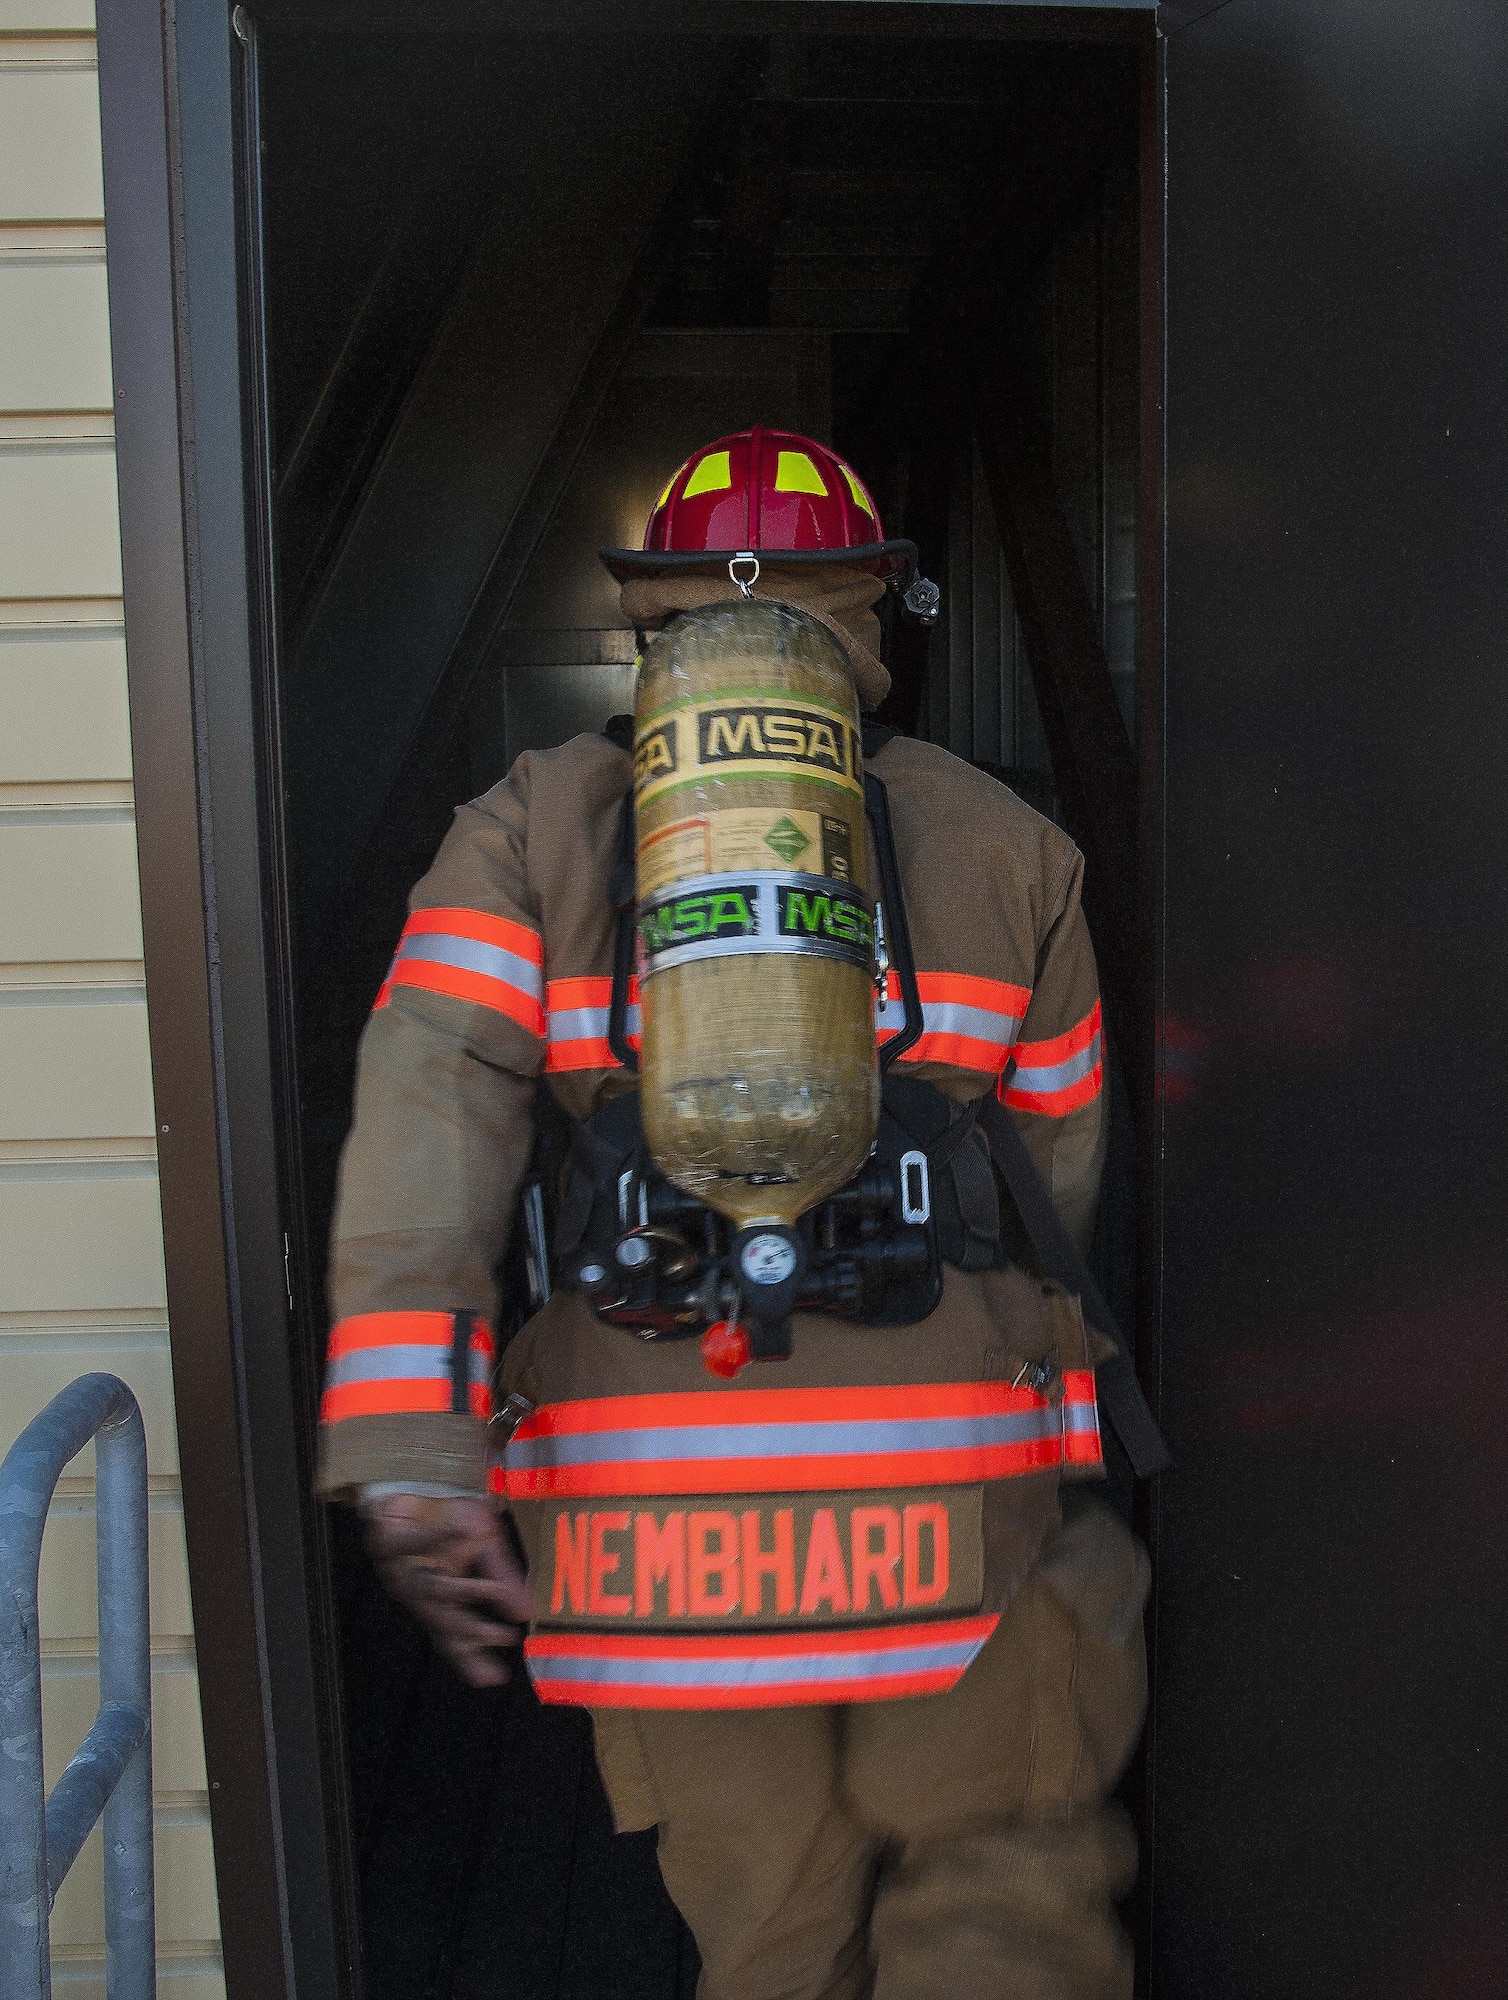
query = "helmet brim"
{"x": 883, "y": 559}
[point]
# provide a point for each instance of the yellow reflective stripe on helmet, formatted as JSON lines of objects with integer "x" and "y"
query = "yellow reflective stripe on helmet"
{"x": 713, "y": 474}
{"x": 857, "y": 491}
{"x": 795, "y": 473}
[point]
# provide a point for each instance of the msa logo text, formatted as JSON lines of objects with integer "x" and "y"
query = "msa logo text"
{"x": 654, "y": 756}
{"x": 763, "y": 735}
{"x": 833, "y": 917}
{"x": 719, "y": 913}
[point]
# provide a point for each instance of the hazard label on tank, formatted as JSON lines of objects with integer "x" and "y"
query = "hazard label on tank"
{"x": 736, "y": 838}
{"x": 787, "y": 839}
{"x": 673, "y": 853}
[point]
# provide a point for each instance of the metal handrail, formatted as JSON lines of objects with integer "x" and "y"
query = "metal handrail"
{"x": 110, "y": 1774}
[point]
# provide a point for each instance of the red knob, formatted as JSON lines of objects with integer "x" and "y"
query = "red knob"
{"x": 725, "y": 1348}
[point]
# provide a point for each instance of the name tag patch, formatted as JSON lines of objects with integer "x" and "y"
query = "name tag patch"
{"x": 810, "y": 1561}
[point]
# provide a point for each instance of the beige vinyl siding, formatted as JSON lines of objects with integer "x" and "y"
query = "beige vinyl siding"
{"x": 81, "y": 1278}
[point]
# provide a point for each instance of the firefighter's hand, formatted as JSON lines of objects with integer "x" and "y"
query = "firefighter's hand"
{"x": 447, "y": 1562}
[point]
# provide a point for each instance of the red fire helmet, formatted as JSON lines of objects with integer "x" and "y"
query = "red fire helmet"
{"x": 767, "y": 493}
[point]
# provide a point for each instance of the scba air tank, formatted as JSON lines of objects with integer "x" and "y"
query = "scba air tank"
{"x": 758, "y": 1086}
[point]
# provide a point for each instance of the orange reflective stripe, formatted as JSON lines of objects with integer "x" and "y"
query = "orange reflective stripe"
{"x": 792, "y": 1473}
{"x": 1060, "y": 1047}
{"x": 391, "y": 1329}
{"x": 501, "y": 932}
{"x": 717, "y": 1408}
{"x": 960, "y": 1052}
{"x": 593, "y": 991}
{"x": 1082, "y": 1444}
{"x": 1056, "y": 1103}
{"x": 968, "y": 1022}
{"x": 577, "y": 1013}
{"x": 590, "y": 1052}
{"x": 734, "y": 1670}
{"x": 969, "y": 989}
{"x": 456, "y": 983}
{"x": 468, "y": 955}
{"x": 395, "y": 1363}
{"x": 1053, "y": 1077}
{"x": 783, "y": 1440}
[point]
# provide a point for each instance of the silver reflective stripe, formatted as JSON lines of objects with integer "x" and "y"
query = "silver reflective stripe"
{"x": 756, "y": 1670}
{"x": 950, "y": 1017}
{"x": 1056, "y": 1076}
{"x": 837, "y": 1439}
{"x": 470, "y": 955}
{"x": 398, "y": 1364}
{"x": 408, "y": 1363}
{"x": 577, "y": 1024}
{"x": 766, "y": 944}
{"x": 588, "y": 1024}
{"x": 982, "y": 1024}
{"x": 890, "y": 1016}
{"x": 1081, "y": 1417}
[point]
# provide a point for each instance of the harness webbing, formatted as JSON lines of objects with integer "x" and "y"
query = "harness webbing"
{"x": 1120, "y": 1392}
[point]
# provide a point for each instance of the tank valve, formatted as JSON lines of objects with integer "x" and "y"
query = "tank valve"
{"x": 769, "y": 1264}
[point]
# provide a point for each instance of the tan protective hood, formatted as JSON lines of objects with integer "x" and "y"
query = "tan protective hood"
{"x": 841, "y": 595}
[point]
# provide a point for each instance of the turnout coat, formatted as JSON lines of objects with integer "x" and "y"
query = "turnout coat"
{"x": 847, "y": 1524}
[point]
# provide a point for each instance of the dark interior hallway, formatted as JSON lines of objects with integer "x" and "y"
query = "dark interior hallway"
{"x": 510, "y": 283}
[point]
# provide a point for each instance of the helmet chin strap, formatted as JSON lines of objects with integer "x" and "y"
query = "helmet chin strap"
{"x": 745, "y": 583}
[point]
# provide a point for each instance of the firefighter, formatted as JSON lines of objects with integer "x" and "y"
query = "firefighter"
{"x": 848, "y": 1640}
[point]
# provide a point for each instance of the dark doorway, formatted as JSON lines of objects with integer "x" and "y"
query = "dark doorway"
{"x": 508, "y": 283}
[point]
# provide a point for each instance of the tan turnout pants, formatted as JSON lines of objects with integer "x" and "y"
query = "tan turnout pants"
{"x": 952, "y": 1847}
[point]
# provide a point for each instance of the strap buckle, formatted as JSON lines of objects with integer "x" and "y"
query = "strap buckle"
{"x": 916, "y": 1188}
{"x": 506, "y": 1419}
{"x": 1035, "y": 1375}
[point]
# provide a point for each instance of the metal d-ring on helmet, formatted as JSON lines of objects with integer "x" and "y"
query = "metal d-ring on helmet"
{"x": 778, "y": 495}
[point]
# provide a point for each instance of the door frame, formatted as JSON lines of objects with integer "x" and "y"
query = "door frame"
{"x": 173, "y": 81}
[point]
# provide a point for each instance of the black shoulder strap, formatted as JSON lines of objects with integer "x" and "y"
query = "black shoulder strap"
{"x": 1115, "y": 1380}
{"x": 1058, "y": 1254}
{"x": 898, "y": 938}
{"x": 621, "y": 893}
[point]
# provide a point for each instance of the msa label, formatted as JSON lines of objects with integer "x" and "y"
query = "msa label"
{"x": 720, "y": 916}
{"x": 830, "y": 912}
{"x": 753, "y": 737}
{"x": 775, "y": 736}
{"x": 697, "y": 913}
